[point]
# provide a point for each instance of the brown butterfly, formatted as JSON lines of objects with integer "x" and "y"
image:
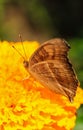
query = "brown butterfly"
{"x": 50, "y": 66}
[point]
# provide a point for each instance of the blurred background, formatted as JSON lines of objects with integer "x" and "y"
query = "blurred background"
{"x": 41, "y": 20}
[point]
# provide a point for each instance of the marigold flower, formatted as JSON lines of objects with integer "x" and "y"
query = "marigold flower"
{"x": 24, "y": 103}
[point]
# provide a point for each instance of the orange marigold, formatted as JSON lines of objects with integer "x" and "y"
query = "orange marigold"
{"x": 24, "y": 103}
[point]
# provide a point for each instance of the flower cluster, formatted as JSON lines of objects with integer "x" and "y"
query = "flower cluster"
{"x": 24, "y": 103}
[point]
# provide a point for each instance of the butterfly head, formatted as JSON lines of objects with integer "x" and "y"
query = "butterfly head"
{"x": 26, "y": 64}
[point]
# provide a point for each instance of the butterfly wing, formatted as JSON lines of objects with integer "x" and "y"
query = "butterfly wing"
{"x": 50, "y": 50}
{"x": 50, "y": 66}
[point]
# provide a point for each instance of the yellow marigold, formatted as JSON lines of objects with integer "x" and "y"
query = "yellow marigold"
{"x": 27, "y": 105}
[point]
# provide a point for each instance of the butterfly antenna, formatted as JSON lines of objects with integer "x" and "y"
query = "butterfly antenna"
{"x": 23, "y": 46}
{"x": 18, "y": 52}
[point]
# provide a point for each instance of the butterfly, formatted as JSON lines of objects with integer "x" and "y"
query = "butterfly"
{"x": 50, "y": 66}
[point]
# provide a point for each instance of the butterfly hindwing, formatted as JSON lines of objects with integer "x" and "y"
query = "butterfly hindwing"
{"x": 56, "y": 76}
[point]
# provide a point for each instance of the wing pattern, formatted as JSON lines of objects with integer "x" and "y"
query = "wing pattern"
{"x": 50, "y": 66}
{"x": 50, "y": 50}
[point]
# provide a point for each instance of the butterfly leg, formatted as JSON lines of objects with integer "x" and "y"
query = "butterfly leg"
{"x": 26, "y": 78}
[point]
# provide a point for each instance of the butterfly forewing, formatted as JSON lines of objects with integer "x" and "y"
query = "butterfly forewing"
{"x": 50, "y": 50}
{"x": 50, "y": 66}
